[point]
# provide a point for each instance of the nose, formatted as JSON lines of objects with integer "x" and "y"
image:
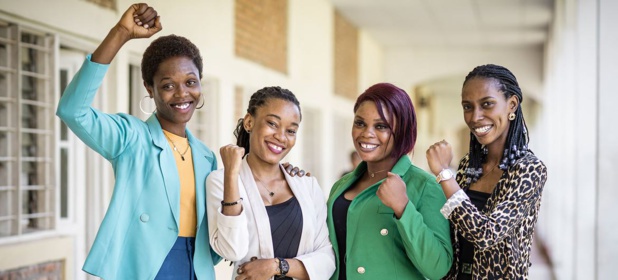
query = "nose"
{"x": 181, "y": 90}
{"x": 368, "y": 132}
{"x": 280, "y": 135}
{"x": 477, "y": 114}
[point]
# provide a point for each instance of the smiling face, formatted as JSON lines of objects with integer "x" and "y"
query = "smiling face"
{"x": 273, "y": 130}
{"x": 486, "y": 110}
{"x": 373, "y": 139}
{"x": 176, "y": 91}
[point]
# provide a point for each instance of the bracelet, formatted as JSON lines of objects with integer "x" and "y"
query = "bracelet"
{"x": 223, "y": 203}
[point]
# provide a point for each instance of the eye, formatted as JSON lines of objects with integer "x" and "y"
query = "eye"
{"x": 291, "y": 132}
{"x": 466, "y": 107}
{"x": 359, "y": 123}
{"x": 271, "y": 123}
{"x": 487, "y": 104}
{"x": 381, "y": 126}
{"x": 168, "y": 87}
{"x": 191, "y": 82}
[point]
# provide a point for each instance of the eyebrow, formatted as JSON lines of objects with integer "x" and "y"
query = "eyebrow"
{"x": 481, "y": 100}
{"x": 190, "y": 73}
{"x": 375, "y": 120}
{"x": 279, "y": 118}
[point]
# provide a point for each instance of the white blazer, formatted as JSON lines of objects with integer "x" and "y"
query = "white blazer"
{"x": 238, "y": 238}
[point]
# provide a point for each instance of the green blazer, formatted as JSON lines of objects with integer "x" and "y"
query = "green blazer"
{"x": 380, "y": 246}
{"x": 141, "y": 223}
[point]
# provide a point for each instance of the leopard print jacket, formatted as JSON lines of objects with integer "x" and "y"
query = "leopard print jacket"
{"x": 502, "y": 233}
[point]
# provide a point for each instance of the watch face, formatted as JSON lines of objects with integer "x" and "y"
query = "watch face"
{"x": 445, "y": 174}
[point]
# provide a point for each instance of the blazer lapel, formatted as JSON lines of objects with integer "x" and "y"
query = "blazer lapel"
{"x": 302, "y": 192}
{"x": 202, "y": 165}
{"x": 167, "y": 164}
{"x": 260, "y": 216}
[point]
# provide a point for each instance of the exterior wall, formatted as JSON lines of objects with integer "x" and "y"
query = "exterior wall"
{"x": 210, "y": 25}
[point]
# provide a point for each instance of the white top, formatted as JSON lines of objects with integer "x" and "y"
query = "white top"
{"x": 238, "y": 238}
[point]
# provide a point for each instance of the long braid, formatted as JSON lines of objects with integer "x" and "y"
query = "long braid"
{"x": 259, "y": 99}
{"x": 516, "y": 145}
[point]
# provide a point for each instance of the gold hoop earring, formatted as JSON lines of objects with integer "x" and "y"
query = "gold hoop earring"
{"x": 203, "y": 102}
{"x": 141, "y": 108}
{"x": 511, "y": 116}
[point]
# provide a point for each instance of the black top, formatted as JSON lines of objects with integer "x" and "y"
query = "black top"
{"x": 286, "y": 226}
{"x": 466, "y": 248}
{"x": 340, "y": 219}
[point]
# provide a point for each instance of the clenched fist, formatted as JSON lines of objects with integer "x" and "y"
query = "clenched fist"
{"x": 231, "y": 155}
{"x": 392, "y": 192}
{"x": 439, "y": 156}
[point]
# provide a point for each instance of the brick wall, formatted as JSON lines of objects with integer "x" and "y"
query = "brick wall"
{"x": 261, "y": 28}
{"x": 346, "y": 58}
{"x": 49, "y": 271}
{"x": 110, "y": 4}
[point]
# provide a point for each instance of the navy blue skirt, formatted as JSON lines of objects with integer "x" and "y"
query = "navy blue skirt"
{"x": 179, "y": 261}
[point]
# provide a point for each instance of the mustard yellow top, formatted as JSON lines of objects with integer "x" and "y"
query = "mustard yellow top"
{"x": 184, "y": 162}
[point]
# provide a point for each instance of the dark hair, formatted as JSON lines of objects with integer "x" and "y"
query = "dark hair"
{"x": 167, "y": 47}
{"x": 516, "y": 145}
{"x": 397, "y": 102}
{"x": 259, "y": 99}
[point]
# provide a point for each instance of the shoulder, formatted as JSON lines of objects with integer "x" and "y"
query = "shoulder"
{"x": 530, "y": 164}
{"x": 215, "y": 178}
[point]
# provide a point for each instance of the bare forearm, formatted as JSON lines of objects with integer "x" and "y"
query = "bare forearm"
{"x": 297, "y": 269}
{"x": 107, "y": 50}
{"x": 231, "y": 195}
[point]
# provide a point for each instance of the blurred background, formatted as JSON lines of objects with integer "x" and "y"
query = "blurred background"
{"x": 54, "y": 191}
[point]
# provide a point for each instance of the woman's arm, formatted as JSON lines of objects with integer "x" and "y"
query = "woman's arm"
{"x": 106, "y": 134}
{"x": 229, "y": 235}
{"x": 426, "y": 233}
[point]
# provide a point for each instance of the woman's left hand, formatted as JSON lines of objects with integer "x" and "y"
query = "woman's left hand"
{"x": 257, "y": 269}
{"x": 392, "y": 192}
{"x": 294, "y": 170}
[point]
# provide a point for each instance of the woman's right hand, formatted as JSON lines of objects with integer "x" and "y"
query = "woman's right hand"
{"x": 231, "y": 155}
{"x": 139, "y": 21}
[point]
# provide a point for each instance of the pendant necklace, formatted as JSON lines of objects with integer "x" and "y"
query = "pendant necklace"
{"x": 182, "y": 155}
{"x": 270, "y": 193}
{"x": 373, "y": 174}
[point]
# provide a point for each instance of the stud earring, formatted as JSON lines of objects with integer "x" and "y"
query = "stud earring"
{"x": 511, "y": 116}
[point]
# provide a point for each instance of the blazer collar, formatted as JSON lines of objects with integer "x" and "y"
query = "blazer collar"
{"x": 203, "y": 160}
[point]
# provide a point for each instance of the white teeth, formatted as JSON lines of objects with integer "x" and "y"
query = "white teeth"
{"x": 368, "y": 146}
{"x": 182, "y": 106}
{"x": 482, "y": 129}
{"x": 275, "y": 147}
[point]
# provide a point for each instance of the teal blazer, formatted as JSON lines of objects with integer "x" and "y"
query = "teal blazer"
{"x": 380, "y": 246}
{"x": 142, "y": 220}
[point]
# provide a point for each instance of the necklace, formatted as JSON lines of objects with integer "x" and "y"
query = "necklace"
{"x": 373, "y": 174}
{"x": 270, "y": 193}
{"x": 182, "y": 155}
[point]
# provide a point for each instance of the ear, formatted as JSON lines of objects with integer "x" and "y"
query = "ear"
{"x": 513, "y": 103}
{"x": 149, "y": 89}
{"x": 248, "y": 122}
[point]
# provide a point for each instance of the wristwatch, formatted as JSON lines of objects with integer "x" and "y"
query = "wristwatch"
{"x": 284, "y": 268}
{"x": 444, "y": 175}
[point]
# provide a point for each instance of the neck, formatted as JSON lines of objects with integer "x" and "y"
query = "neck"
{"x": 380, "y": 168}
{"x": 177, "y": 129}
{"x": 263, "y": 170}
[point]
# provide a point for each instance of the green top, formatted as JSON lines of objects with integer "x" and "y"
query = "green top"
{"x": 380, "y": 246}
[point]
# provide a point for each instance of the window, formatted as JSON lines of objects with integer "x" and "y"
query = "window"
{"x": 26, "y": 131}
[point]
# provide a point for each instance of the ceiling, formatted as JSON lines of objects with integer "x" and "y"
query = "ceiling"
{"x": 450, "y": 23}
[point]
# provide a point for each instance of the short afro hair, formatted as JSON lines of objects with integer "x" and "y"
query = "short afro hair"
{"x": 167, "y": 47}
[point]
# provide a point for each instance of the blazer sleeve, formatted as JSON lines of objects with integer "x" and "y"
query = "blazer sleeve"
{"x": 522, "y": 191}
{"x": 106, "y": 134}
{"x": 229, "y": 235}
{"x": 426, "y": 233}
{"x": 320, "y": 263}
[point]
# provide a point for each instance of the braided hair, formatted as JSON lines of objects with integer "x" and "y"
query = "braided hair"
{"x": 259, "y": 99}
{"x": 516, "y": 145}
